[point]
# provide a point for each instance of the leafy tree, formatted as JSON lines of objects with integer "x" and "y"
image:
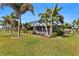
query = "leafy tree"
{"x": 52, "y": 16}
{"x": 19, "y": 9}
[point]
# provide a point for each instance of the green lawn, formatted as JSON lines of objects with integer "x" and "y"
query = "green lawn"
{"x": 34, "y": 45}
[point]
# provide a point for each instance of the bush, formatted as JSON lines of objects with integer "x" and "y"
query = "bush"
{"x": 60, "y": 32}
{"x": 57, "y": 33}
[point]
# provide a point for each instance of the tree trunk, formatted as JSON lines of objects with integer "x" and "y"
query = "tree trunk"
{"x": 11, "y": 27}
{"x": 46, "y": 31}
{"x": 19, "y": 25}
{"x": 50, "y": 31}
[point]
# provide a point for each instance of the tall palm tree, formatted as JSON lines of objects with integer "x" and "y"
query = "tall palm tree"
{"x": 20, "y": 8}
{"x": 56, "y": 17}
{"x": 6, "y": 22}
{"x": 10, "y": 20}
{"x": 13, "y": 20}
{"x": 44, "y": 19}
{"x": 52, "y": 16}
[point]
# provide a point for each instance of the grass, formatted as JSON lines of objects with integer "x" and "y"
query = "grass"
{"x": 34, "y": 45}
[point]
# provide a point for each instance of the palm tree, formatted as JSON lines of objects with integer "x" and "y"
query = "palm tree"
{"x": 56, "y": 17}
{"x": 13, "y": 20}
{"x": 9, "y": 21}
{"x": 52, "y": 16}
{"x": 44, "y": 19}
{"x": 20, "y": 8}
{"x": 1, "y": 23}
{"x": 6, "y": 22}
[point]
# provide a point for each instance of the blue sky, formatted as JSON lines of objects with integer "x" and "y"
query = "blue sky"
{"x": 70, "y": 11}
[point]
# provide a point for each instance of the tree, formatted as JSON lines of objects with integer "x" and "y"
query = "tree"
{"x": 44, "y": 19}
{"x": 9, "y": 21}
{"x": 14, "y": 22}
{"x": 20, "y": 8}
{"x": 6, "y": 22}
{"x": 52, "y": 16}
{"x": 75, "y": 23}
{"x": 26, "y": 27}
{"x": 1, "y": 23}
{"x": 56, "y": 17}
{"x": 67, "y": 25}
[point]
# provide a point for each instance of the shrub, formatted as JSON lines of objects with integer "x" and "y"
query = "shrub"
{"x": 57, "y": 33}
{"x": 60, "y": 32}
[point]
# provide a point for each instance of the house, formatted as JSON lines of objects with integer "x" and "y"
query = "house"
{"x": 40, "y": 28}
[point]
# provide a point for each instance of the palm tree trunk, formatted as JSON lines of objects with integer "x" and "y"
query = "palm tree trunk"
{"x": 19, "y": 25}
{"x": 46, "y": 29}
{"x": 50, "y": 32}
{"x": 11, "y": 27}
{"x": 11, "y": 30}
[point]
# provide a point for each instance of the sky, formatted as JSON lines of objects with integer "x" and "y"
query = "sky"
{"x": 70, "y": 11}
